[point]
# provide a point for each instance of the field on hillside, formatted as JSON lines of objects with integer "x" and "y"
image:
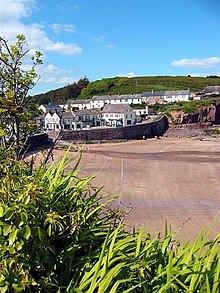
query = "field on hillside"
{"x": 125, "y": 85}
{"x": 168, "y": 179}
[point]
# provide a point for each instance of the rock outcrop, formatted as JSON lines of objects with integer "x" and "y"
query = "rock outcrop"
{"x": 205, "y": 114}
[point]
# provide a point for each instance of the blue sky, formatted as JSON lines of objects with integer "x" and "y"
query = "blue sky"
{"x": 108, "y": 38}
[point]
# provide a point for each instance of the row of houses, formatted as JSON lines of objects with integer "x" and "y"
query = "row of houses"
{"x": 97, "y": 102}
{"x": 111, "y": 110}
{"x": 150, "y": 97}
{"x": 110, "y": 115}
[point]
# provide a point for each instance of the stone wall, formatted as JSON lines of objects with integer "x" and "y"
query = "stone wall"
{"x": 37, "y": 141}
{"x": 147, "y": 129}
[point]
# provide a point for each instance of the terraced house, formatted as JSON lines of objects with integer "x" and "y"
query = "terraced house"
{"x": 161, "y": 97}
{"x": 72, "y": 120}
{"x": 118, "y": 115}
{"x": 110, "y": 115}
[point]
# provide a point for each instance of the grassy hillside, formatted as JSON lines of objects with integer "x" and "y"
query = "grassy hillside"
{"x": 136, "y": 85}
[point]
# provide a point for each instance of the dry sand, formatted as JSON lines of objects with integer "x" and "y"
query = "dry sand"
{"x": 169, "y": 179}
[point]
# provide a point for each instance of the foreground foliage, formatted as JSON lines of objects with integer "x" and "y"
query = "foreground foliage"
{"x": 17, "y": 109}
{"x": 57, "y": 234}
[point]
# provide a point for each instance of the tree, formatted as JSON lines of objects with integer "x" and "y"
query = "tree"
{"x": 17, "y": 107}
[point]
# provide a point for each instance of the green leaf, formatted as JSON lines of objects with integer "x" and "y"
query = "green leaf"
{"x": 3, "y": 289}
{"x": 18, "y": 287}
{"x": 8, "y": 214}
{"x": 1, "y": 212}
{"x": 24, "y": 217}
{"x": 12, "y": 250}
{"x": 42, "y": 234}
{"x": 2, "y": 240}
{"x": 6, "y": 229}
{"x": 12, "y": 237}
{"x": 26, "y": 232}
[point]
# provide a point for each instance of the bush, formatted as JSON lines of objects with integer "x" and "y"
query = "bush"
{"x": 51, "y": 223}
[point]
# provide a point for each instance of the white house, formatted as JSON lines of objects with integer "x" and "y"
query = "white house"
{"x": 87, "y": 118}
{"x": 118, "y": 115}
{"x": 55, "y": 107}
{"x": 52, "y": 121}
{"x": 58, "y": 121}
{"x": 160, "y": 97}
{"x": 141, "y": 111}
{"x": 101, "y": 101}
{"x": 70, "y": 120}
{"x": 212, "y": 90}
{"x": 177, "y": 96}
{"x": 78, "y": 104}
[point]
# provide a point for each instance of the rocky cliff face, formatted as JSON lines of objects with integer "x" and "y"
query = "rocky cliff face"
{"x": 205, "y": 114}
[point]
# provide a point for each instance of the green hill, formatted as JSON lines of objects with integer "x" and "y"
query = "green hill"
{"x": 124, "y": 85}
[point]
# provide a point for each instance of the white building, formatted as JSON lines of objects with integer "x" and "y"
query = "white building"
{"x": 52, "y": 121}
{"x": 78, "y": 104}
{"x": 101, "y": 101}
{"x": 212, "y": 90}
{"x": 118, "y": 115}
{"x": 161, "y": 97}
{"x": 72, "y": 120}
{"x": 141, "y": 111}
{"x": 177, "y": 96}
{"x": 55, "y": 107}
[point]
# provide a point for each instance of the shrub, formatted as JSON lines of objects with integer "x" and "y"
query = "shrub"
{"x": 51, "y": 223}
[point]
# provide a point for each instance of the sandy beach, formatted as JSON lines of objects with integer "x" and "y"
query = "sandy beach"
{"x": 169, "y": 179}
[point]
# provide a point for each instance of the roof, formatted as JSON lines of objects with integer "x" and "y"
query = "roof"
{"x": 212, "y": 89}
{"x": 176, "y": 93}
{"x": 53, "y": 106}
{"x": 88, "y": 112}
{"x": 153, "y": 93}
{"x": 83, "y": 101}
{"x": 165, "y": 93}
{"x": 67, "y": 114}
{"x": 115, "y": 108}
{"x": 116, "y": 97}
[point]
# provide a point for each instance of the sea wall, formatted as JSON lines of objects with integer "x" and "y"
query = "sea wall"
{"x": 155, "y": 127}
{"x": 37, "y": 141}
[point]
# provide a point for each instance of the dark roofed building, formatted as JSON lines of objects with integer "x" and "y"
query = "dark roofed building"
{"x": 55, "y": 107}
{"x": 212, "y": 89}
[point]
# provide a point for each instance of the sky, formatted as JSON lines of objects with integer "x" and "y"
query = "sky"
{"x": 108, "y": 38}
